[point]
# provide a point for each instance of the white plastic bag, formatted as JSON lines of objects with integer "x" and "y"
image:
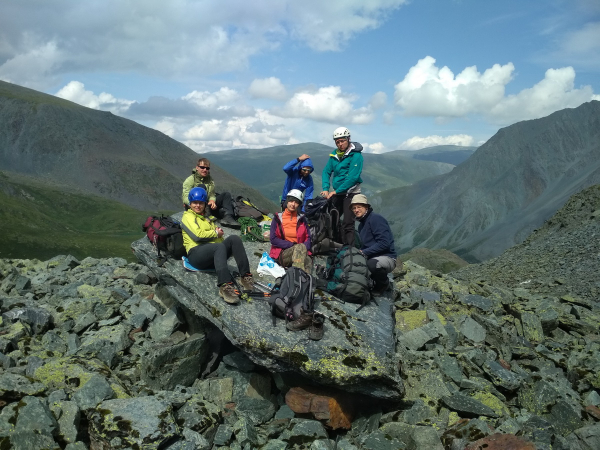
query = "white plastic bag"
{"x": 268, "y": 266}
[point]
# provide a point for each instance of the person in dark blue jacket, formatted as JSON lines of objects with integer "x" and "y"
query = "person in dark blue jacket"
{"x": 377, "y": 242}
{"x": 298, "y": 177}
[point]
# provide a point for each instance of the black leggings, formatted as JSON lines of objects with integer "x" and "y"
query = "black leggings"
{"x": 215, "y": 256}
{"x": 341, "y": 202}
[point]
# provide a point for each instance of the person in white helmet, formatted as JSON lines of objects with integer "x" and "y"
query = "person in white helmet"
{"x": 290, "y": 237}
{"x": 341, "y": 179}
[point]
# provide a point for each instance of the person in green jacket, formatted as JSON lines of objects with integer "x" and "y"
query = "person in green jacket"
{"x": 341, "y": 179}
{"x": 221, "y": 205}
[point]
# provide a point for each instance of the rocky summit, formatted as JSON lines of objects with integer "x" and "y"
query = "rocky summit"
{"x": 105, "y": 354}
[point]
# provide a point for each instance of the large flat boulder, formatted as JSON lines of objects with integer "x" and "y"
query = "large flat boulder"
{"x": 356, "y": 354}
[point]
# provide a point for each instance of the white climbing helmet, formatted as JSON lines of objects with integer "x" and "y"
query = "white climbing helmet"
{"x": 297, "y": 194}
{"x": 341, "y": 132}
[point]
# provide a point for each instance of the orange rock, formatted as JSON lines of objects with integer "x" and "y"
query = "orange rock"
{"x": 593, "y": 411}
{"x": 504, "y": 364}
{"x": 338, "y": 410}
{"x": 501, "y": 442}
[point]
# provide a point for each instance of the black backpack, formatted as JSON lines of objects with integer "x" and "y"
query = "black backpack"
{"x": 295, "y": 296}
{"x": 242, "y": 207}
{"x": 324, "y": 224}
{"x": 346, "y": 276}
{"x": 165, "y": 234}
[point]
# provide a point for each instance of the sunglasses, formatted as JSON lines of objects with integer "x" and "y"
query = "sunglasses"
{"x": 340, "y": 140}
{"x": 203, "y": 167}
{"x": 305, "y": 170}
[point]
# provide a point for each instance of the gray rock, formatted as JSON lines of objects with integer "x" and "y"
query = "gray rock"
{"x": 472, "y": 330}
{"x": 167, "y": 365}
{"x": 40, "y": 320}
{"x": 276, "y": 444}
{"x": 564, "y": 418}
{"x": 76, "y": 446}
{"x": 483, "y": 303}
{"x": 303, "y": 431}
{"x": 217, "y": 390}
{"x": 223, "y": 435}
{"x": 425, "y": 438}
{"x": 245, "y": 433}
{"x": 34, "y": 415}
{"x": 165, "y": 325}
{"x": 68, "y": 421}
{"x": 137, "y": 422}
{"x": 26, "y": 440}
{"x": 106, "y": 343}
{"x": 502, "y": 377}
{"x": 15, "y": 387}
{"x": 96, "y": 390}
{"x": 284, "y": 412}
{"x": 239, "y": 361}
{"x": 590, "y": 436}
{"x": 84, "y": 321}
{"x": 198, "y": 414}
{"x": 462, "y": 403}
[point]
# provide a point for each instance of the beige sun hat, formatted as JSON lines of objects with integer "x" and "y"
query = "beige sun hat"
{"x": 359, "y": 199}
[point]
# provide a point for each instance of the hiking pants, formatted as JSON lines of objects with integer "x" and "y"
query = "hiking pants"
{"x": 296, "y": 256}
{"x": 215, "y": 256}
{"x": 341, "y": 202}
{"x": 380, "y": 266}
{"x": 225, "y": 203}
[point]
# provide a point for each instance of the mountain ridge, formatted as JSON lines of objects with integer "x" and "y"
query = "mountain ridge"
{"x": 508, "y": 187}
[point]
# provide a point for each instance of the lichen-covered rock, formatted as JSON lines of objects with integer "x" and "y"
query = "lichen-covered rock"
{"x": 143, "y": 422}
{"x": 166, "y": 364}
{"x": 14, "y": 386}
{"x": 356, "y": 353}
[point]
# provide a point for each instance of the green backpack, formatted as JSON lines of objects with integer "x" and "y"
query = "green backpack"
{"x": 346, "y": 276}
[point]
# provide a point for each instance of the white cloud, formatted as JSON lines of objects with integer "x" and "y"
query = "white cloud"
{"x": 377, "y": 148}
{"x": 75, "y": 92}
{"x": 222, "y": 98}
{"x": 36, "y": 63}
{"x": 427, "y": 90}
{"x": 418, "y": 142}
{"x": 267, "y": 88}
{"x": 556, "y": 91}
{"x": 580, "y": 46}
{"x": 329, "y": 25}
{"x": 378, "y": 100}
{"x": 261, "y": 130}
{"x": 325, "y": 104}
{"x": 176, "y": 39}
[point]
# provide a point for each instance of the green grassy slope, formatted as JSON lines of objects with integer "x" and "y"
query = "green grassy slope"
{"x": 41, "y": 222}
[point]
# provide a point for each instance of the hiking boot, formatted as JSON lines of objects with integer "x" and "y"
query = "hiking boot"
{"x": 301, "y": 323}
{"x": 229, "y": 293}
{"x": 316, "y": 328}
{"x": 230, "y": 222}
{"x": 248, "y": 282}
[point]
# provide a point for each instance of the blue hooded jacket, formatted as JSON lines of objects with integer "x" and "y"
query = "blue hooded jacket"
{"x": 295, "y": 181}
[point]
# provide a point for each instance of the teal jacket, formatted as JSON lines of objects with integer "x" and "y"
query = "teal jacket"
{"x": 346, "y": 171}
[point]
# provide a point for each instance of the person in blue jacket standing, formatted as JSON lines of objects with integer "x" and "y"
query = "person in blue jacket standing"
{"x": 376, "y": 242}
{"x": 298, "y": 177}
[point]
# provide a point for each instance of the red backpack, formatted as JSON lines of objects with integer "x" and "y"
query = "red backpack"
{"x": 165, "y": 234}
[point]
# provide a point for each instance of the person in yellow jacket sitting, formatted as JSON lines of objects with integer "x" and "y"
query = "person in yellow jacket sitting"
{"x": 207, "y": 249}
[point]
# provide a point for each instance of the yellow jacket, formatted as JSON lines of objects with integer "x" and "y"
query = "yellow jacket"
{"x": 201, "y": 227}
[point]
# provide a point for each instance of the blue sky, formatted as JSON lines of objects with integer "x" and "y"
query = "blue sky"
{"x": 228, "y": 74}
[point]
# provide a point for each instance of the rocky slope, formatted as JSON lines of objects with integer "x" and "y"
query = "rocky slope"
{"x": 561, "y": 258}
{"x": 96, "y": 152}
{"x": 98, "y": 353}
{"x": 506, "y": 189}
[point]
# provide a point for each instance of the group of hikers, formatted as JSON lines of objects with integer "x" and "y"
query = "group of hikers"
{"x": 290, "y": 237}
